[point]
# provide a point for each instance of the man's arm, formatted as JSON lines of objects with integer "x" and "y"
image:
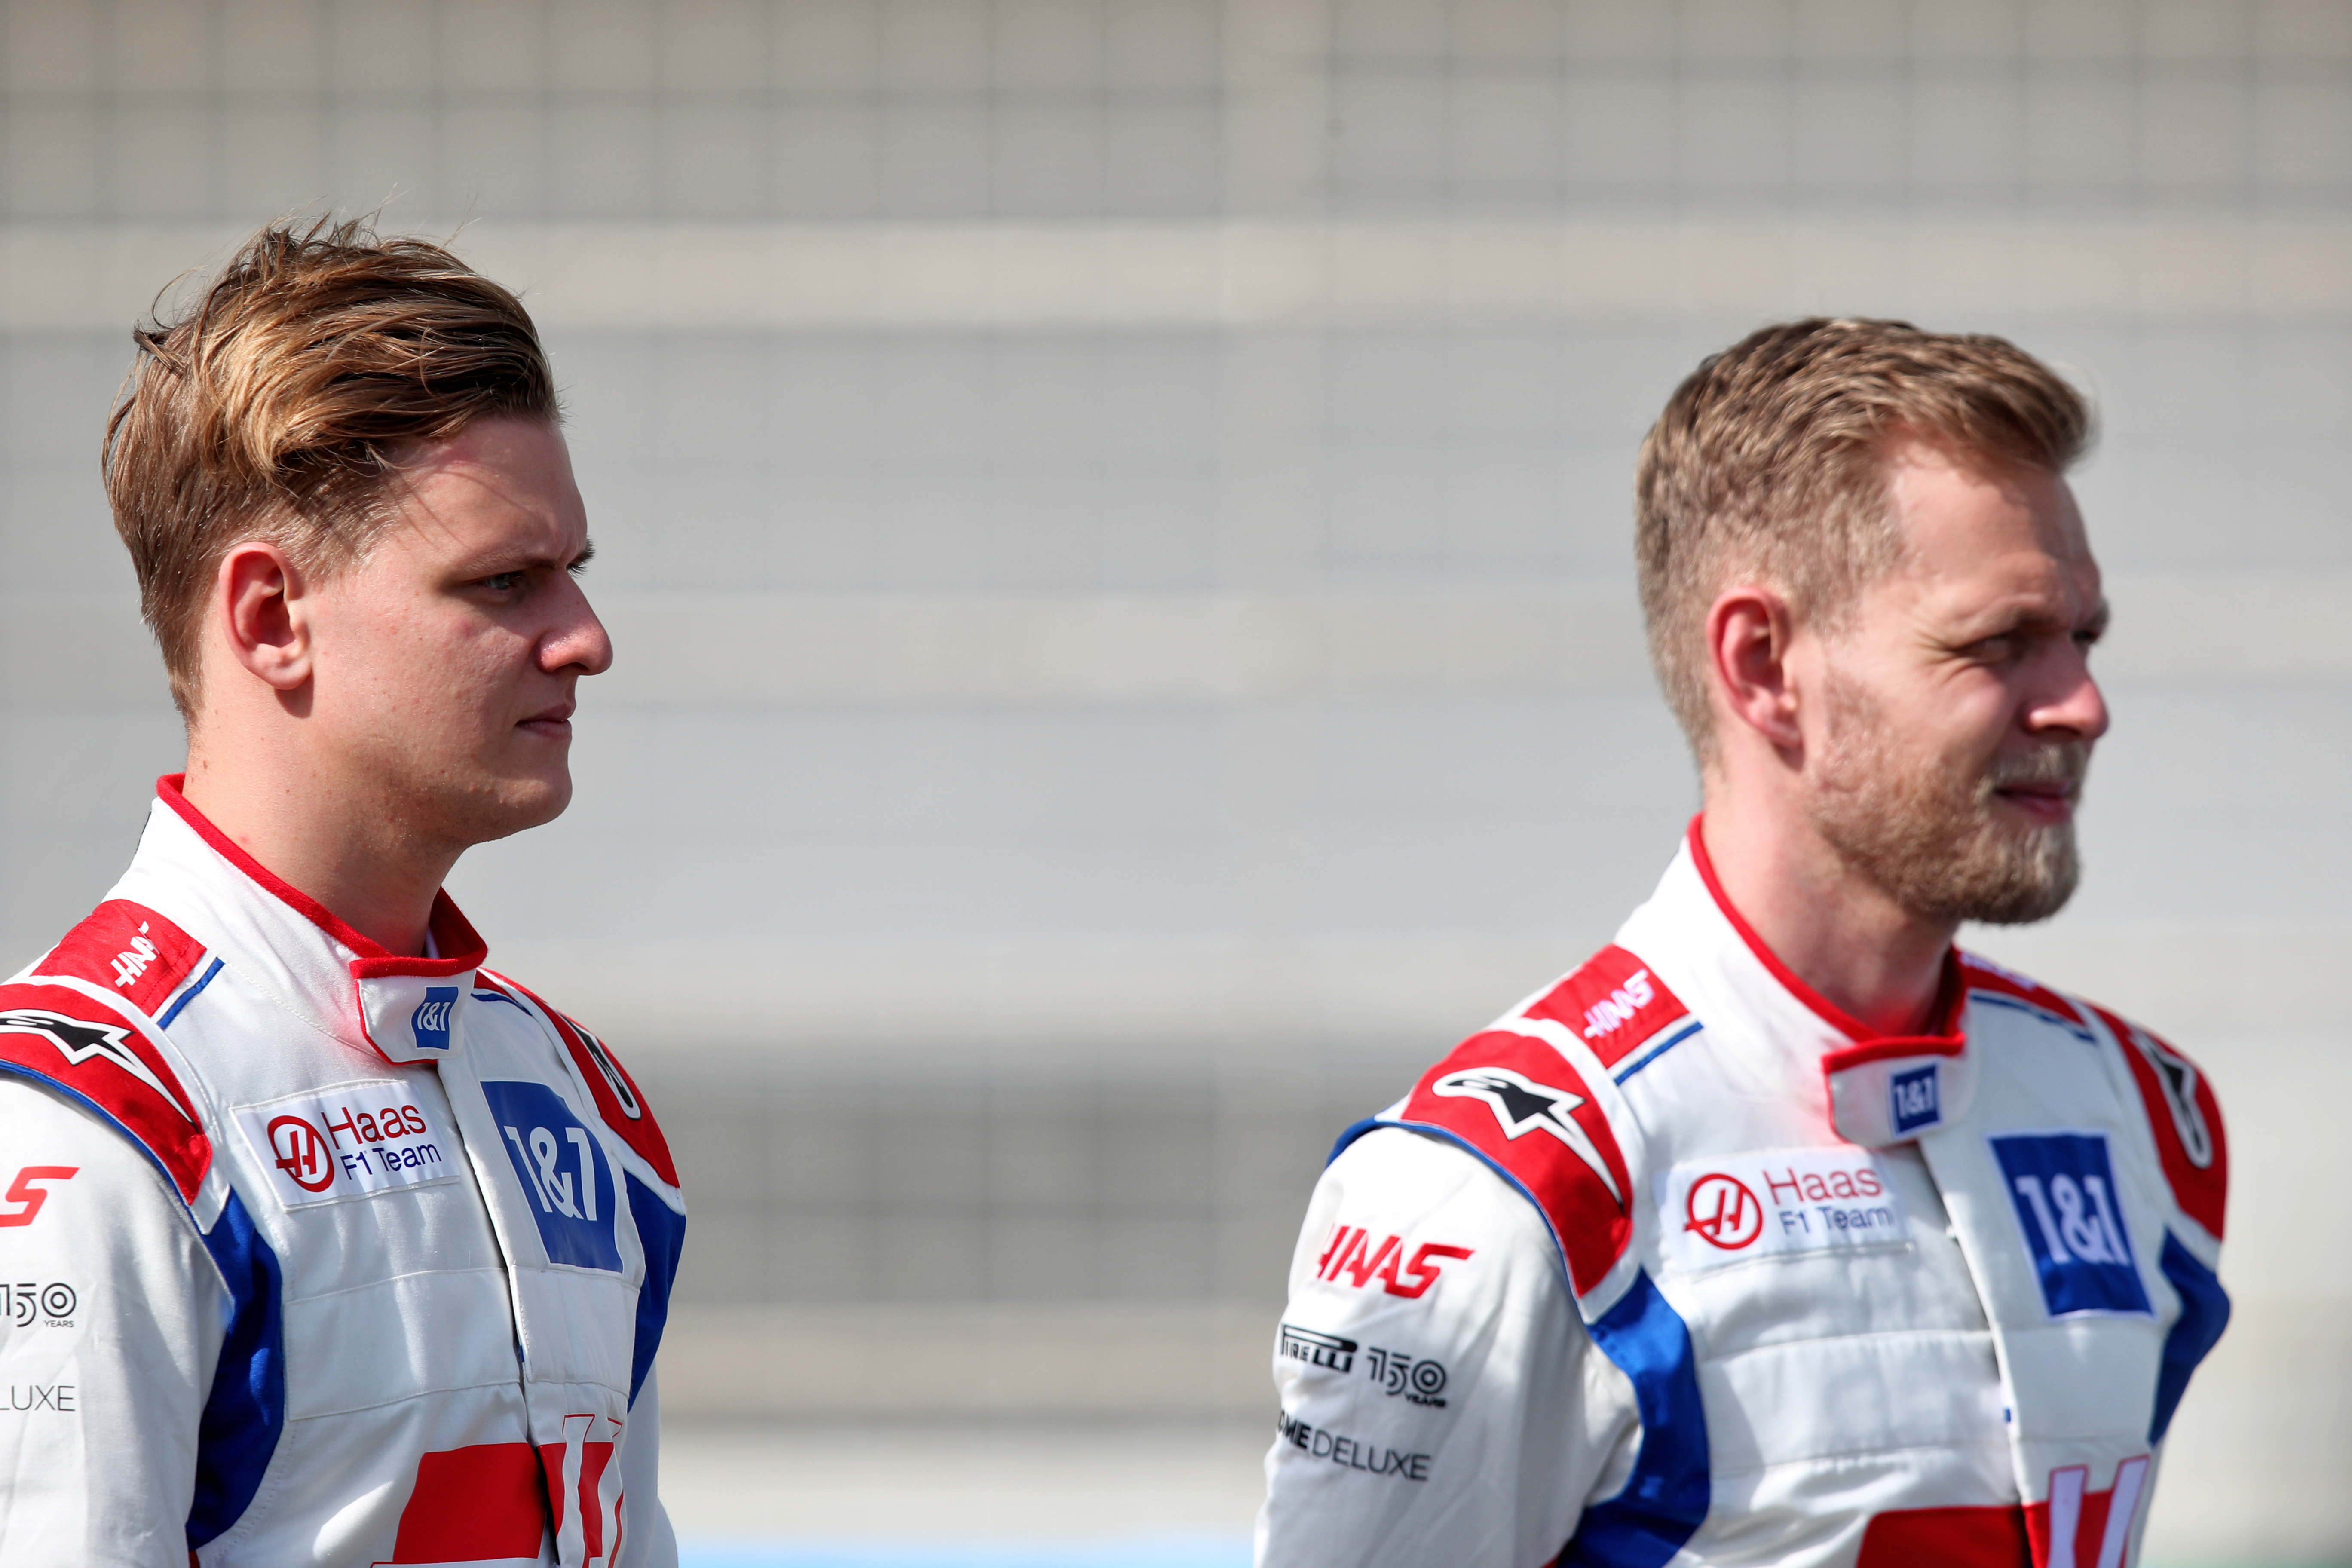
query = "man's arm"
{"x": 651, "y": 1543}
{"x": 113, "y": 1320}
{"x": 1441, "y": 1402}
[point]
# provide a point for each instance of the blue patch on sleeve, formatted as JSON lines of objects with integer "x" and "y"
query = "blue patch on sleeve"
{"x": 246, "y": 1412}
{"x": 661, "y": 1230}
{"x": 1666, "y": 1499}
{"x": 2204, "y": 1313}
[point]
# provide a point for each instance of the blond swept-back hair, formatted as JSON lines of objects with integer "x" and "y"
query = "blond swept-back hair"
{"x": 282, "y": 405}
{"x": 1770, "y": 465}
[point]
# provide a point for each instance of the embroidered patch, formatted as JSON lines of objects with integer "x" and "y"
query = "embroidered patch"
{"x": 1723, "y": 1210}
{"x": 1912, "y": 1100}
{"x": 566, "y": 1180}
{"x": 326, "y": 1145}
{"x": 2068, "y": 1210}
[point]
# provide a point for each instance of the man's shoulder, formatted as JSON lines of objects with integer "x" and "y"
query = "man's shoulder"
{"x": 1998, "y": 985}
{"x": 2184, "y": 1116}
{"x": 83, "y": 1020}
{"x": 1531, "y": 1097}
{"x": 619, "y": 1100}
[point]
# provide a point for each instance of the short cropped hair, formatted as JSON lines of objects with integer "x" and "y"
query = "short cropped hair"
{"x": 282, "y": 405}
{"x": 1770, "y": 465}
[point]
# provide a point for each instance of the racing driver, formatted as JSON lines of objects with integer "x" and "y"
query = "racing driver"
{"x": 326, "y": 1244}
{"x": 1781, "y": 1231}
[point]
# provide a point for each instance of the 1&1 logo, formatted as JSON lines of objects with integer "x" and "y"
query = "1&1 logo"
{"x": 301, "y": 1154}
{"x": 2071, "y": 1216}
{"x": 1723, "y": 1212}
{"x": 566, "y": 1177}
{"x": 1912, "y": 1098}
{"x": 430, "y": 1022}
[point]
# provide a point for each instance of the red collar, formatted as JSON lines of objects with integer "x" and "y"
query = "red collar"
{"x": 454, "y": 937}
{"x": 1951, "y": 993}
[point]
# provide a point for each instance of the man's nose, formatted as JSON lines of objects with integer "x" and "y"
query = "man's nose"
{"x": 580, "y": 639}
{"x": 2072, "y": 700}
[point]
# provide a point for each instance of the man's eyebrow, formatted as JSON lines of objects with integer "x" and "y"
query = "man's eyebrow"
{"x": 493, "y": 562}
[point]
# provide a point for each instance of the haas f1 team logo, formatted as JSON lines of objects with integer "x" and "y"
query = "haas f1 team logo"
{"x": 80, "y": 1040}
{"x": 301, "y": 1154}
{"x": 1722, "y": 1211}
{"x": 347, "y": 1142}
{"x": 1523, "y": 1106}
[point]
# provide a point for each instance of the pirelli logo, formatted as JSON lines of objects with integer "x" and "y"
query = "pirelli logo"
{"x": 1328, "y": 1352}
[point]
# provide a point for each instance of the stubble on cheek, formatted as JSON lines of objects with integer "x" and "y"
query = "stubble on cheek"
{"x": 1928, "y": 830}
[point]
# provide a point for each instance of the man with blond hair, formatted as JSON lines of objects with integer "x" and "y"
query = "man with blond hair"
{"x": 1782, "y": 1231}
{"x": 325, "y": 1243}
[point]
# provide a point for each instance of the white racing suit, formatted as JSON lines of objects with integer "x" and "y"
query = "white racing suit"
{"x": 313, "y": 1255}
{"x": 1677, "y": 1263}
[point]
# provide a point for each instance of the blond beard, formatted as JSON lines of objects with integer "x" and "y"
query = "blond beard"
{"x": 1929, "y": 837}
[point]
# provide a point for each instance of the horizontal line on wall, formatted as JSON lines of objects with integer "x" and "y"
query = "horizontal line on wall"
{"x": 1240, "y": 275}
{"x": 878, "y": 1359}
{"x": 905, "y": 649}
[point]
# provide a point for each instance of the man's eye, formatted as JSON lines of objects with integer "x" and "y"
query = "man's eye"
{"x": 503, "y": 581}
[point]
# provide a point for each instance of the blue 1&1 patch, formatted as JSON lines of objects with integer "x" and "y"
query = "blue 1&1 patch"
{"x": 430, "y": 1022}
{"x": 567, "y": 1183}
{"x": 2064, "y": 1193}
{"x": 1912, "y": 1102}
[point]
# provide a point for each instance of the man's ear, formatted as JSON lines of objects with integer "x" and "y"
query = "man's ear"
{"x": 262, "y": 615}
{"x": 1749, "y": 629}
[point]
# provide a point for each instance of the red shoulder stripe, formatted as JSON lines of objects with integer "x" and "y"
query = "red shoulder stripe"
{"x": 618, "y": 1098}
{"x": 2188, "y": 1121}
{"x": 1614, "y": 1004}
{"x": 130, "y": 948}
{"x": 1982, "y": 975}
{"x": 1518, "y": 1102}
{"x": 55, "y": 1033}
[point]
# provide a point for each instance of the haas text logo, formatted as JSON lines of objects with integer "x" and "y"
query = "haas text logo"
{"x": 1615, "y": 1011}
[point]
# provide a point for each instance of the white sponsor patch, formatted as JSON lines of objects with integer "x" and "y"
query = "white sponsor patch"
{"x": 347, "y": 1142}
{"x": 1778, "y": 1201}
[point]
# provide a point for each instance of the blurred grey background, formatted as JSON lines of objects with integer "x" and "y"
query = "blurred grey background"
{"x": 1115, "y": 515}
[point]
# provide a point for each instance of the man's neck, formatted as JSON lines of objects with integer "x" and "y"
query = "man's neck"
{"x": 331, "y": 842}
{"x": 1839, "y": 934}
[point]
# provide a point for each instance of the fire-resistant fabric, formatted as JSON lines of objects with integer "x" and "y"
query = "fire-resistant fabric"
{"x": 1677, "y": 1263}
{"x": 315, "y": 1255}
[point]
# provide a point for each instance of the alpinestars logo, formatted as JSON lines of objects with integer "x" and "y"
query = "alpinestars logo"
{"x": 80, "y": 1040}
{"x": 1523, "y": 1106}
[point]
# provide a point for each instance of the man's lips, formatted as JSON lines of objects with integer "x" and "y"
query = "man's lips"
{"x": 2050, "y": 802}
{"x": 555, "y": 721}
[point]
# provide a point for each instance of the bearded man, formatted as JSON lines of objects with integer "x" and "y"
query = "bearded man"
{"x": 1782, "y": 1232}
{"x": 326, "y": 1244}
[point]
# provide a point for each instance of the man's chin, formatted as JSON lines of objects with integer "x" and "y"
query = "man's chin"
{"x": 509, "y": 807}
{"x": 2028, "y": 877}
